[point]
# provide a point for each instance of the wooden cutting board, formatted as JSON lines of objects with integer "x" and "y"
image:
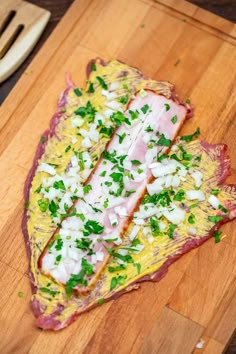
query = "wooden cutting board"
{"x": 167, "y": 39}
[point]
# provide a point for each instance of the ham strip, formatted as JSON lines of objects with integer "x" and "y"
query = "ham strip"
{"x": 78, "y": 251}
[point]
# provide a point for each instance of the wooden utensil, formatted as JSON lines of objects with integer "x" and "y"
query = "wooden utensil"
{"x": 21, "y": 25}
{"x": 171, "y": 40}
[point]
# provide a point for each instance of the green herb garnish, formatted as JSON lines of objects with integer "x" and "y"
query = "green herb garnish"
{"x": 215, "y": 218}
{"x": 92, "y": 227}
{"x": 191, "y": 219}
{"x": 174, "y": 119}
{"x": 43, "y": 205}
{"x": 145, "y": 108}
{"x": 163, "y": 141}
{"x": 102, "y": 82}
{"x": 87, "y": 188}
{"x": 77, "y": 92}
{"x": 190, "y": 137}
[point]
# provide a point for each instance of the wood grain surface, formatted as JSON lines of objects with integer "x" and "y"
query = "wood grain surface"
{"x": 197, "y": 297}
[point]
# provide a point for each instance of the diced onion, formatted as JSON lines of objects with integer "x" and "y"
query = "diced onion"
{"x": 134, "y": 232}
{"x": 197, "y": 176}
{"x": 44, "y": 167}
{"x": 214, "y": 201}
{"x": 192, "y": 231}
{"x": 195, "y": 195}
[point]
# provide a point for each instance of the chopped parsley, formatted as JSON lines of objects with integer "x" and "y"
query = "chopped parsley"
{"x": 167, "y": 106}
{"x": 102, "y": 82}
{"x": 109, "y": 156}
{"x": 180, "y": 195}
{"x": 171, "y": 230}
{"x": 87, "y": 188}
{"x": 117, "y": 269}
{"x": 92, "y": 227}
{"x": 162, "y": 157}
{"x": 93, "y": 67}
{"x": 163, "y": 141}
{"x": 59, "y": 244}
{"x": 20, "y": 294}
{"x": 103, "y": 174}
{"x": 59, "y": 185}
{"x": 106, "y": 131}
{"x": 174, "y": 119}
{"x": 101, "y": 301}
{"x": 145, "y": 108}
{"x": 190, "y": 137}
{"x": 215, "y": 191}
{"x": 118, "y": 118}
{"x": 117, "y": 176}
{"x": 136, "y": 162}
{"x": 48, "y": 291}
{"x": 128, "y": 193}
{"x": 193, "y": 205}
{"x": 121, "y": 137}
{"x": 53, "y": 207}
{"x": 43, "y": 205}
{"x": 58, "y": 258}
{"x": 149, "y": 129}
{"x": 191, "y": 219}
{"x": 120, "y": 280}
{"x": 90, "y": 88}
{"x": 87, "y": 267}
{"x": 138, "y": 266}
{"x": 216, "y": 235}
{"x": 74, "y": 280}
{"x": 88, "y": 111}
{"x": 124, "y": 99}
{"x": 134, "y": 114}
{"x": 38, "y": 190}
{"x": 42, "y": 139}
{"x": 222, "y": 208}
{"x": 154, "y": 226}
{"x": 215, "y": 218}
{"x": 77, "y": 92}
{"x": 83, "y": 243}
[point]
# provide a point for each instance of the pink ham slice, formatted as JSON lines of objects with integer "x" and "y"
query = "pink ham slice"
{"x": 158, "y": 122}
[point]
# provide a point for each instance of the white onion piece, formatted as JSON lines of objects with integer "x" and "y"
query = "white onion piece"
{"x": 139, "y": 221}
{"x": 192, "y": 231}
{"x": 76, "y": 122}
{"x": 162, "y": 226}
{"x": 74, "y": 140}
{"x": 214, "y": 201}
{"x": 134, "y": 232}
{"x": 114, "y": 86}
{"x": 156, "y": 186}
{"x": 195, "y": 195}
{"x": 100, "y": 256}
{"x": 150, "y": 154}
{"x": 74, "y": 161}
{"x": 113, "y": 219}
{"x": 197, "y": 176}
{"x": 48, "y": 261}
{"x": 163, "y": 170}
{"x": 121, "y": 211}
{"x": 108, "y": 112}
{"x": 86, "y": 143}
{"x": 44, "y": 167}
{"x": 175, "y": 216}
{"x": 113, "y": 105}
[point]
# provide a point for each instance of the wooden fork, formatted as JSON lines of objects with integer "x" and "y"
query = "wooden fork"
{"x": 21, "y": 25}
